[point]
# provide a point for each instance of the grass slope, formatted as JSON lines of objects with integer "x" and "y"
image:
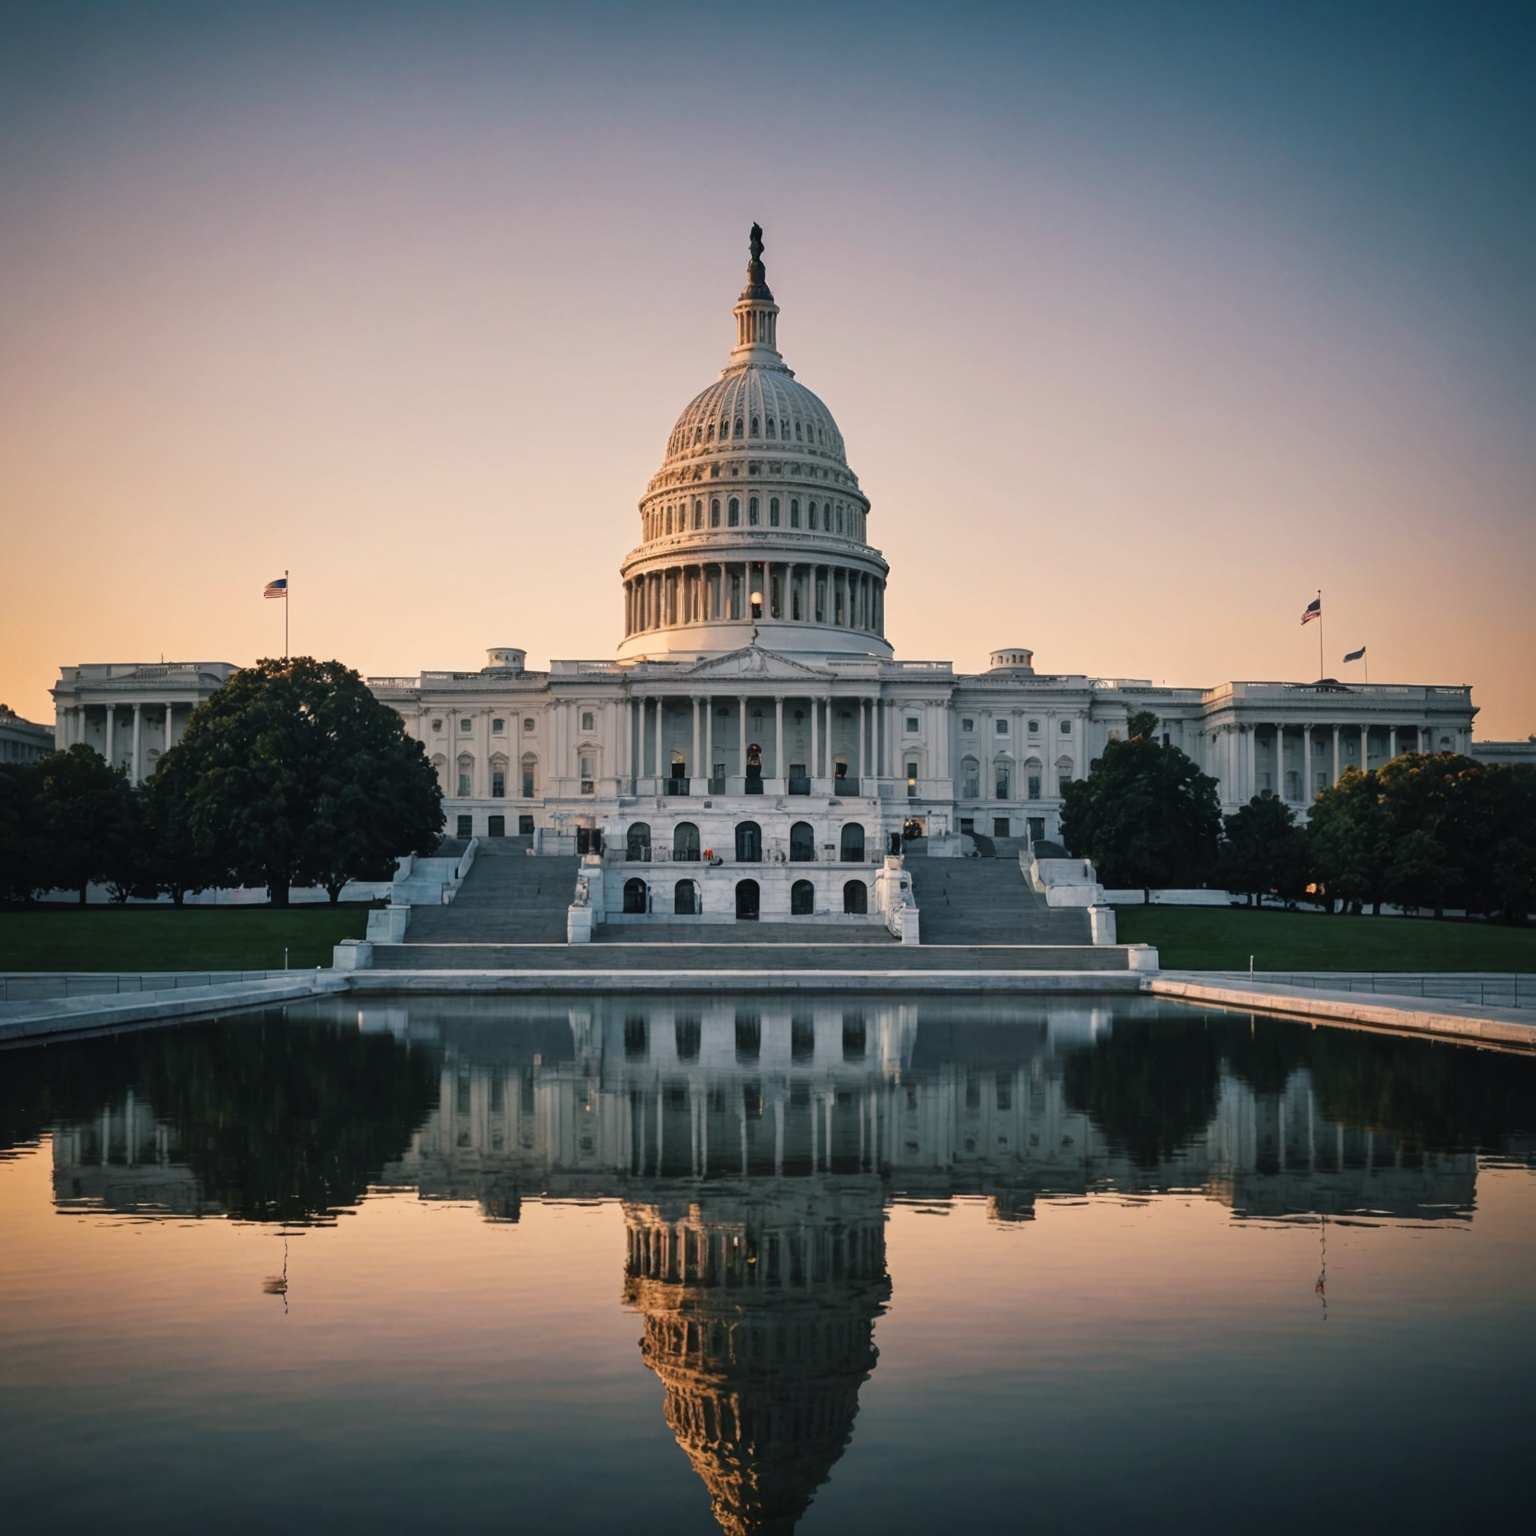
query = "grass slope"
{"x": 1222, "y": 938}
{"x": 167, "y": 939}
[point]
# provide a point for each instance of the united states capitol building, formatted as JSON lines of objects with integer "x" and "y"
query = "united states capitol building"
{"x": 754, "y": 711}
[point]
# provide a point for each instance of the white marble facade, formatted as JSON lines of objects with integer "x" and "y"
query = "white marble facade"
{"x": 752, "y": 685}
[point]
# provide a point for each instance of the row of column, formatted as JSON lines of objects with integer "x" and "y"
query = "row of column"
{"x": 719, "y": 591}
{"x": 72, "y": 730}
{"x": 645, "y": 742}
{"x": 1243, "y": 764}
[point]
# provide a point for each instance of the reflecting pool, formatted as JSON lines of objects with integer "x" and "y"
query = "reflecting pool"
{"x": 764, "y": 1264}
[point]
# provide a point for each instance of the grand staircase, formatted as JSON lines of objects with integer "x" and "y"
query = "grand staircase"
{"x": 988, "y": 901}
{"x": 507, "y": 898}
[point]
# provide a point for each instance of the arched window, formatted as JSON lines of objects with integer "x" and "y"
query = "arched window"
{"x": 802, "y": 899}
{"x": 812, "y": 512}
{"x": 530, "y": 785}
{"x": 1063, "y": 773}
{"x": 685, "y": 898}
{"x": 754, "y": 426}
{"x": 1002, "y": 774}
{"x": 714, "y": 513}
{"x": 794, "y": 511}
{"x": 752, "y": 511}
{"x": 733, "y": 512}
{"x": 770, "y": 426}
{"x": 970, "y": 779}
{"x": 855, "y": 897}
{"x": 637, "y": 843}
{"x": 853, "y": 843}
{"x": 747, "y": 901}
{"x": 773, "y": 511}
{"x": 698, "y": 514}
{"x": 749, "y": 843}
{"x": 466, "y": 776}
{"x": 685, "y": 843}
{"x": 498, "y": 777}
{"x": 738, "y": 426}
{"x": 802, "y": 843}
{"x": 634, "y": 896}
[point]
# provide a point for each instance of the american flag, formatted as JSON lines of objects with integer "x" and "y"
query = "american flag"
{"x": 1313, "y": 610}
{"x": 278, "y": 588}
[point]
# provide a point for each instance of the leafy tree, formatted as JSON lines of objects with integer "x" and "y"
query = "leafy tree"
{"x": 1417, "y": 874}
{"x": 1351, "y": 835}
{"x": 176, "y": 863}
{"x": 294, "y": 773}
{"x": 1263, "y": 851}
{"x": 1145, "y": 814}
{"x": 86, "y": 813}
{"x": 1511, "y": 871}
{"x": 21, "y": 849}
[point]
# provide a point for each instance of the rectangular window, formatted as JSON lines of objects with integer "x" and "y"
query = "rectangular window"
{"x": 527, "y": 781}
{"x": 498, "y": 784}
{"x": 525, "y": 826}
{"x": 586, "y": 774}
{"x": 968, "y": 824}
{"x": 912, "y": 725}
{"x": 465, "y": 826}
{"x": 498, "y": 727}
{"x": 911, "y": 780}
{"x": 1034, "y": 727}
{"x": 1037, "y": 829}
{"x": 465, "y": 727}
{"x": 999, "y": 826}
{"x": 1066, "y": 727}
{"x": 465, "y": 787}
{"x": 496, "y": 827}
{"x": 1002, "y": 784}
{"x": 967, "y": 725}
{"x": 1034, "y": 786}
{"x": 588, "y": 720}
{"x": 1001, "y": 727}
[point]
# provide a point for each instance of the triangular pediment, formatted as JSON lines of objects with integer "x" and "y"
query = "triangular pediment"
{"x": 754, "y": 661}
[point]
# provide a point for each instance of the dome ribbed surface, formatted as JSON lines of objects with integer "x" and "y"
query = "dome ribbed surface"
{"x": 758, "y": 408}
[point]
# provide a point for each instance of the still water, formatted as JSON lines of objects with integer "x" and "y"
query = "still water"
{"x": 763, "y": 1265}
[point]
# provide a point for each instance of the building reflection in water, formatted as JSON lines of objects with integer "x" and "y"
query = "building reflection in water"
{"x": 755, "y": 1146}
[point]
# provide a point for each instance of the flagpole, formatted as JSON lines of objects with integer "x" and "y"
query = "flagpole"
{"x": 285, "y": 613}
{"x": 1319, "y": 634}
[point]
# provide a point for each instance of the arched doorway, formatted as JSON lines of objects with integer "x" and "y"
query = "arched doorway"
{"x": 634, "y": 895}
{"x": 856, "y": 897}
{"x": 802, "y": 899}
{"x": 853, "y": 843}
{"x": 749, "y": 845}
{"x": 685, "y": 898}
{"x": 802, "y": 843}
{"x": 637, "y": 843}
{"x": 685, "y": 843}
{"x": 747, "y": 900}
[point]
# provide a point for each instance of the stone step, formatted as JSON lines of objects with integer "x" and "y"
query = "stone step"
{"x": 746, "y": 957}
{"x": 743, "y": 933}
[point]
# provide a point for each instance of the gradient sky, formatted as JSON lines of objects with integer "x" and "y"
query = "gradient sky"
{"x": 1142, "y": 321}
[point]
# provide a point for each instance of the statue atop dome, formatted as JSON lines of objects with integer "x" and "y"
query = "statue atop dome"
{"x": 757, "y": 276}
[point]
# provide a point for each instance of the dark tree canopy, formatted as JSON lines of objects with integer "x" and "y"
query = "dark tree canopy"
{"x": 87, "y": 819}
{"x": 21, "y": 844}
{"x": 294, "y": 773}
{"x": 1263, "y": 851}
{"x": 1145, "y": 814}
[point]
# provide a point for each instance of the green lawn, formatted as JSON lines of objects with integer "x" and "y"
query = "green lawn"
{"x": 168, "y": 939}
{"x": 1222, "y": 938}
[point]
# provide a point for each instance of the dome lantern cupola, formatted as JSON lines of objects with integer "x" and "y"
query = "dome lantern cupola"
{"x": 757, "y": 316}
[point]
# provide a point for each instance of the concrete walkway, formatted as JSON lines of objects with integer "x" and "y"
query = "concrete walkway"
{"x": 1467, "y": 1022}
{"x": 42, "y": 1018}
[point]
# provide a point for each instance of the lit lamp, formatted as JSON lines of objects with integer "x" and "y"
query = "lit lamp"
{"x": 757, "y": 605}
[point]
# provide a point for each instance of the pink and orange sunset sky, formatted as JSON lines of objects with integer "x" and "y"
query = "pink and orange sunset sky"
{"x": 1141, "y": 321}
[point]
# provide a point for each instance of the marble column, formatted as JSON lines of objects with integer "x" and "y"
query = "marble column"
{"x": 1365, "y": 747}
{"x": 693, "y": 763}
{"x": 111, "y": 734}
{"x": 861, "y": 770}
{"x": 1391, "y": 741}
{"x": 741, "y": 734}
{"x": 136, "y": 763}
{"x": 815, "y": 768}
{"x": 778, "y": 736}
{"x": 1333, "y": 731}
{"x": 170, "y": 728}
{"x": 709, "y": 735}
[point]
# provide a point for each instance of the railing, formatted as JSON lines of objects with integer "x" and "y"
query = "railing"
{"x": 798, "y": 786}
{"x": 1487, "y": 989}
{"x": 677, "y": 786}
{"x": 717, "y": 786}
{"x": 34, "y": 986}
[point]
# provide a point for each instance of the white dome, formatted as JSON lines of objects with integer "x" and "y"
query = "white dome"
{"x": 754, "y": 527}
